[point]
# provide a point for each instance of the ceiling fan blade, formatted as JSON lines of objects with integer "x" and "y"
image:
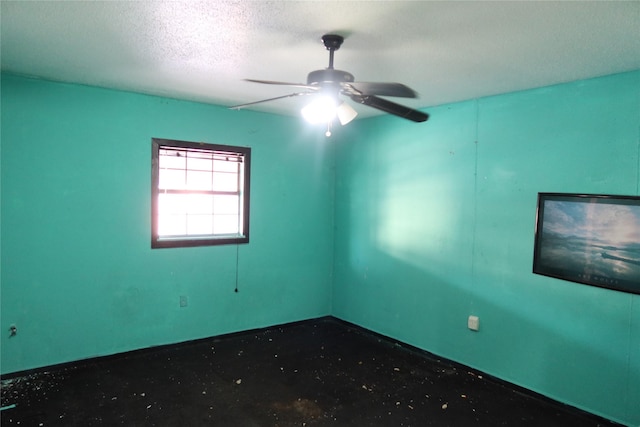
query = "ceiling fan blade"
{"x": 391, "y": 107}
{"x": 271, "y": 82}
{"x": 383, "y": 89}
{"x": 248, "y": 104}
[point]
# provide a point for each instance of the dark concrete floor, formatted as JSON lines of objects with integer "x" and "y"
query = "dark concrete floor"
{"x": 315, "y": 373}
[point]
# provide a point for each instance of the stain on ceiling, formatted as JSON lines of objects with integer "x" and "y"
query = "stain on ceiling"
{"x": 447, "y": 51}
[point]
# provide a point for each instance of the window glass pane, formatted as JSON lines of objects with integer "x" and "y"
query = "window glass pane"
{"x": 224, "y": 181}
{"x": 199, "y": 203}
{"x": 173, "y": 159}
{"x": 200, "y": 163}
{"x": 172, "y": 204}
{"x": 200, "y": 224}
{"x": 226, "y": 224}
{"x": 172, "y": 225}
{"x": 225, "y": 205}
{"x": 224, "y": 166}
{"x": 171, "y": 179}
{"x": 197, "y": 180}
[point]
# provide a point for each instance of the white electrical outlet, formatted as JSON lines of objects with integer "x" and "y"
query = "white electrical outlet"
{"x": 473, "y": 323}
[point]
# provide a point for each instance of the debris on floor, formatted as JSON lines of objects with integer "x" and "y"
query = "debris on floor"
{"x": 317, "y": 373}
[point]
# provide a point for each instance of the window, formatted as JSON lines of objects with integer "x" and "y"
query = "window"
{"x": 200, "y": 194}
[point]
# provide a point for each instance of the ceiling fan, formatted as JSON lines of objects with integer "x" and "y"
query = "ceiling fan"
{"x": 331, "y": 83}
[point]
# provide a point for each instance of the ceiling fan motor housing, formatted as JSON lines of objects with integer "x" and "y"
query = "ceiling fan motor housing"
{"x": 329, "y": 75}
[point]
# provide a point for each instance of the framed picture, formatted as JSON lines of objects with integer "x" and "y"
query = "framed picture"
{"x": 589, "y": 238}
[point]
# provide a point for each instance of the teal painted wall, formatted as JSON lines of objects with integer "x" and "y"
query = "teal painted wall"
{"x": 435, "y": 222}
{"x": 79, "y": 278}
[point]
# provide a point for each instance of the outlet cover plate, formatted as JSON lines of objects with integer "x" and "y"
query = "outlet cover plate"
{"x": 473, "y": 323}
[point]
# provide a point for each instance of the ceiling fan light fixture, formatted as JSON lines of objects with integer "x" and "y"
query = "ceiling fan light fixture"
{"x": 345, "y": 113}
{"x": 321, "y": 110}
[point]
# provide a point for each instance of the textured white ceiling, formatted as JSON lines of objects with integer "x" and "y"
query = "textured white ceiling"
{"x": 446, "y": 51}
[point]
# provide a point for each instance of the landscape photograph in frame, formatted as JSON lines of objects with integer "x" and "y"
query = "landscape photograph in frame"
{"x": 589, "y": 238}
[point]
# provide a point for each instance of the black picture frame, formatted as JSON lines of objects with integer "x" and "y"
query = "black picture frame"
{"x": 592, "y": 239}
